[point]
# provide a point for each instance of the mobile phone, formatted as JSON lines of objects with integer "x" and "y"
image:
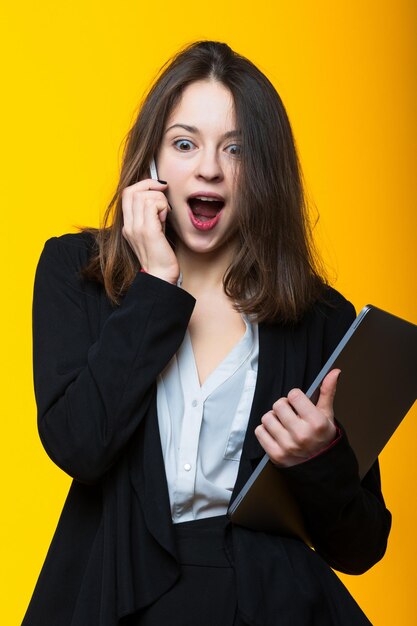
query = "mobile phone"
{"x": 152, "y": 168}
{"x": 154, "y": 175}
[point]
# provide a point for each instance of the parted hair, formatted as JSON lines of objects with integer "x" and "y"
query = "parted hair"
{"x": 276, "y": 273}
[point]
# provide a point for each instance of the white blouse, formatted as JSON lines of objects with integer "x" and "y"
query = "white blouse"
{"x": 202, "y": 428}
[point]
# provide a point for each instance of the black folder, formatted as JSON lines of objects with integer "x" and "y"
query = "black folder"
{"x": 378, "y": 386}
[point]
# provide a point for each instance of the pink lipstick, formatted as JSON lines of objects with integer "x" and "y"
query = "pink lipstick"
{"x": 205, "y": 209}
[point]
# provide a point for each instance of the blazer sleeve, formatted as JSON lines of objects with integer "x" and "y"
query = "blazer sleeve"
{"x": 346, "y": 518}
{"x": 92, "y": 393}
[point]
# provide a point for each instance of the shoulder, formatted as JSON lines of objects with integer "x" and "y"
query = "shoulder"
{"x": 73, "y": 249}
{"x": 329, "y": 318}
{"x": 333, "y": 304}
{"x": 62, "y": 263}
{"x": 324, "y": 322}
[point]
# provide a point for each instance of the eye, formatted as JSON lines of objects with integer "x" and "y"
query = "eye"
{"x": 184, "y": 145}
{"x": 234, "y": 150}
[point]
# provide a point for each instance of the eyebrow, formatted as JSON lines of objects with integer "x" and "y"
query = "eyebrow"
{"x": 194, "y": 129}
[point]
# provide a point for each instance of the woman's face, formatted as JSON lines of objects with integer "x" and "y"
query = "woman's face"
{"x": 199, "y": 158}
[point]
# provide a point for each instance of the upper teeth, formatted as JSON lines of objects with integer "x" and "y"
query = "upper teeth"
{"x": 206, "y": 199}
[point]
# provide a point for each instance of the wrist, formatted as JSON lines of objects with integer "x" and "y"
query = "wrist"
{"x": 334, "y": 440}
{"x": 169, "y": 278}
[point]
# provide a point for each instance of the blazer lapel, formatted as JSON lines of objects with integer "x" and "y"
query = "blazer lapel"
{"x": 281, "y": 366}
{"x": 268, "y": 383}
{"x": 150, "y": 483}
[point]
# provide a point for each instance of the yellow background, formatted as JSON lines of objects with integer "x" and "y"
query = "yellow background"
{"x": 73, "y": 75}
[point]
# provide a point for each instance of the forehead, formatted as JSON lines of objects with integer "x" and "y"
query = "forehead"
{"x": 207, "y": 105}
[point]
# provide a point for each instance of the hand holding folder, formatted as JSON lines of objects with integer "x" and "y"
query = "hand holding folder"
{"x": 296, "y": 429}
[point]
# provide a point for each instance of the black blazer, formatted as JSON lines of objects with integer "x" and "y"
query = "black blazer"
{"x": 113, "y": 552}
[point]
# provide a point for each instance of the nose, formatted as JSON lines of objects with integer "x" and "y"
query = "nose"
{"x": 208, "y": 166}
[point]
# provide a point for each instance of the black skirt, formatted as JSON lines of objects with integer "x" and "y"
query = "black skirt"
{"x": 205, "y": 593}
{"x": 279, "y": 581}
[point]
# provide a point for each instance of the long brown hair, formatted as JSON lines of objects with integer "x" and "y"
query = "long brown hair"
{"x": 275, "y": 274}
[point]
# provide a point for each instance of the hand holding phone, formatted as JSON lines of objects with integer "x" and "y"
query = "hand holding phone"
{"x": 145, "y": 209}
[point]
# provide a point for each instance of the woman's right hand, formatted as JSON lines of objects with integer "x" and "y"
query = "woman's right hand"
{"x": 145, "y": 210}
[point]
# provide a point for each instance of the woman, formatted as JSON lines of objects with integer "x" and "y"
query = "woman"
{"x": 162, "y": 341}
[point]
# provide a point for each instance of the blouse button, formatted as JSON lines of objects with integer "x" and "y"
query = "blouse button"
{"x": 194, "y": 403}
{"x": 187, "y": 467}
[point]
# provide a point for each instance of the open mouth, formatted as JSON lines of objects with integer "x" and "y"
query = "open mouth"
{"x": 205, "y": 209}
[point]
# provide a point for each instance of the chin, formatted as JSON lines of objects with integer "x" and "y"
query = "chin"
{"x": 216, "y": 244}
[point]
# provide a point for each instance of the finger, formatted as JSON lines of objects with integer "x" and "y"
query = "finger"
{"x": 269, "y": 444}
{"x": 143, "y": 185}
{"x": 291, "y": 437}
{"x": 155, "y": 211}
{"x": 144, "y": 204}
{"x": 293, "y": 434}
{"x": 328, "y": 392}
{"x": 163, "y": 211}
{"x": 304, "y": 408}
{"x": 133, "y": 199}
{"x": 314, "y": 422}
{"x": 148, "y": 184}
{"x": 283, "y": 410}
{"x": 273, "y": 425}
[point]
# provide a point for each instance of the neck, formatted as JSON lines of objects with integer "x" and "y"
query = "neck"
{"x": 203, "y": 271}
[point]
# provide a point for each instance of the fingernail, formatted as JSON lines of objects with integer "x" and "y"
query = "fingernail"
{"x": 163, "y": 182}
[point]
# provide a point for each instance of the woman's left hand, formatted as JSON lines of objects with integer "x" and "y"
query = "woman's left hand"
{"x": 296, "y": 429}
